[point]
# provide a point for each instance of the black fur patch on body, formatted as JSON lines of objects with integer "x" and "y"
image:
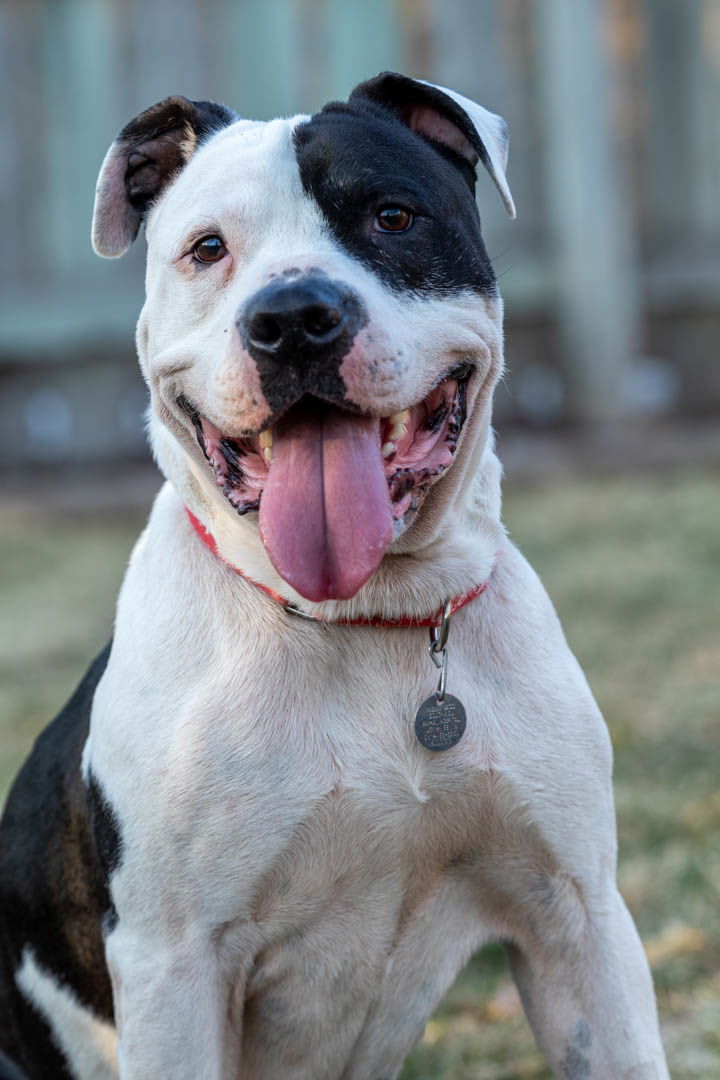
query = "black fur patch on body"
{"x": 108, "y": 844}
{"x": 356, "y": 158}
{"x": 53, "y": 891}
{"x": 9, "y": 1071}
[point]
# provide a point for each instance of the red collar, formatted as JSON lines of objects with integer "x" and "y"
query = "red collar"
{"x": 435, "y": 619}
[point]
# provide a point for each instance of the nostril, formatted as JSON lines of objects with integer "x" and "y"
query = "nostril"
{"x": 297, "y": 320}
{"x": 265, "y": 329}
{"x": 321, "y": 319}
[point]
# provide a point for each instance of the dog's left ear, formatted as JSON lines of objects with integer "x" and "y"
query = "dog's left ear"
{"x": 147, "y": 154}
{"x": 448, "y": 118}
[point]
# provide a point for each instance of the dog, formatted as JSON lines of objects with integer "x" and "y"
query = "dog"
{"x": 338, "y": 741}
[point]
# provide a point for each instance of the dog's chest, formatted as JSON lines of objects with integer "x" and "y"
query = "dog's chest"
{"x": 363, "y": 915}
{"x": 290, "y": 814}
{"x": 359, "y": 908}
{"x": 312, "y": 793}
{"x": 242, "y": 759}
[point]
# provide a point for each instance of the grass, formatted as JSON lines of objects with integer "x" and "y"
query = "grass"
{"x": 632, "y": 565}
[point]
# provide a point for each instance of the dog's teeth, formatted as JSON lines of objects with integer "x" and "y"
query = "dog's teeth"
{"x": 267, "y": 454}
{"x": 400, "y": 417}
{"x": 398, "y": 431}
{"x": 265, "y": 438}
{"x": 388, "y": 449}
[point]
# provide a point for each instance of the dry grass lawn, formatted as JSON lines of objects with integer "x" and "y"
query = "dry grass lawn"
{"x": 632, "y": 565}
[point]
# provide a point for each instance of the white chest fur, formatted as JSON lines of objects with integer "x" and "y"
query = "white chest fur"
{"x": 273, "y": 801}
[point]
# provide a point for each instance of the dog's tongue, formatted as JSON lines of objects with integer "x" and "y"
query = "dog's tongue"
{"x": 325, "y": 516}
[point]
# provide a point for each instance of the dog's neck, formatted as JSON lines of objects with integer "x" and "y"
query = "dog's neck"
{"x": 433, "y": 619}
{"x": 449, "y": 549}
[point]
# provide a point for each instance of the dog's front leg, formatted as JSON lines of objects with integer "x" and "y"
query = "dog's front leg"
{"x": 171, "y": 1008}
{"x": 587, "y": 991}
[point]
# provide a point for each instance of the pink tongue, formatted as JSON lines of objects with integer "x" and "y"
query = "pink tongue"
{"x": 325, "y": 517}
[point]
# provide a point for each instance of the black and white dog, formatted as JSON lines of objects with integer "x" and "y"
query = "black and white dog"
{"x": 237, "y": 853}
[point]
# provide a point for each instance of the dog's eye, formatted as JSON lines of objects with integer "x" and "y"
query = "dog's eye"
{"x": 393, "y": 219}
{"x": 210, "y": 249}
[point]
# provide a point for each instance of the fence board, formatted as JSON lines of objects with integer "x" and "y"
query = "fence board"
{"x": 598, "y": 306}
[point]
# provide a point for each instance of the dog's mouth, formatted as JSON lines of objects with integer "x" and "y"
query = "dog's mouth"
{"x": 331, "y": 484}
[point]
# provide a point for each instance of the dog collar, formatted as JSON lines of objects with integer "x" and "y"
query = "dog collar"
{"x": 437, "y": 618}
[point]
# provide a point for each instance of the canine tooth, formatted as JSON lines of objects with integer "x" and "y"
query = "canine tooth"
{"x": 400, "y": 417}
{"x": 388, "y": 448}
{"x": 265, "y": 438}
{"x": 267, "y": 453}
{"x": 398, "y": 431}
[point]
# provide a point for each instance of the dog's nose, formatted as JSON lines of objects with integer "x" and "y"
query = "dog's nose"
{"x": 288, "y": 318}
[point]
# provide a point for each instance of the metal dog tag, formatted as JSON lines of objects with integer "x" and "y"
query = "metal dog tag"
{"x": 440, "y": 720}
{"x": 439, "y": 725}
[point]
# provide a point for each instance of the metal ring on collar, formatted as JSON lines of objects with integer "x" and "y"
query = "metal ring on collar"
{"x": 439, "y": 634}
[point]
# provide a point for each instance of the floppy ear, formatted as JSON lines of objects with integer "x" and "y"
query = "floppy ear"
{"x": 146, "y": 155}
{"x": 448, "y": 118}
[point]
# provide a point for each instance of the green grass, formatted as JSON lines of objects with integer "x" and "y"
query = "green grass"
{"x": 58, "y": 581}
{"x": 633, "y": 568}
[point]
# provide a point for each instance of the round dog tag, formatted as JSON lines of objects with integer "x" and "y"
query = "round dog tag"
{"x": 439, "y": 725}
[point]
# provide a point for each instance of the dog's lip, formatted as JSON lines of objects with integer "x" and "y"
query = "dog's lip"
{"x": 459, "y": 372}
{"x": 417, "y": 443}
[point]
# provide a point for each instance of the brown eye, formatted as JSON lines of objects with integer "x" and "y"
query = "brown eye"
{"x": 393, "y": 219}
{"x": 210, "y": 249}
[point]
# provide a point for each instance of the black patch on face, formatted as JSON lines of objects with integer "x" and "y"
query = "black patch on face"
{"x": 53, "y": 890}
{"x": 355, "y": 159}
{"x": 298, "y": 329}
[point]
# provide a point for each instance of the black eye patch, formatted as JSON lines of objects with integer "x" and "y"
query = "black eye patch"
{"x": 354, "y": 159}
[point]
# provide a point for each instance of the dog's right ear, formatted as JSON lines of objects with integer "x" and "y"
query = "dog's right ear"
{"x": 147, "y": 154}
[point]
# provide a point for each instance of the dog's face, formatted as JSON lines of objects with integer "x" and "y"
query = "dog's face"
{"x": 321, "y": 311}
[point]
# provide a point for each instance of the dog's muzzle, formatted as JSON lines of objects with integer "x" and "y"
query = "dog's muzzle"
{"x": 331, "y": 481}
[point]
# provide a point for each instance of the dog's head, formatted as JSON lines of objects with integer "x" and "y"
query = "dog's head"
{"x": 322, "y": 327}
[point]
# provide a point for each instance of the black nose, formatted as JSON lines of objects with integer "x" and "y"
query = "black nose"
{"x": 287, "y": 320}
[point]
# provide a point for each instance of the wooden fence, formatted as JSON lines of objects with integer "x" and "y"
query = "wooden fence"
{"x": 611, "y": 274}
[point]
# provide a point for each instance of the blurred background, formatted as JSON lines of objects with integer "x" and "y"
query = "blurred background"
{"x": 607, "y": 418}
